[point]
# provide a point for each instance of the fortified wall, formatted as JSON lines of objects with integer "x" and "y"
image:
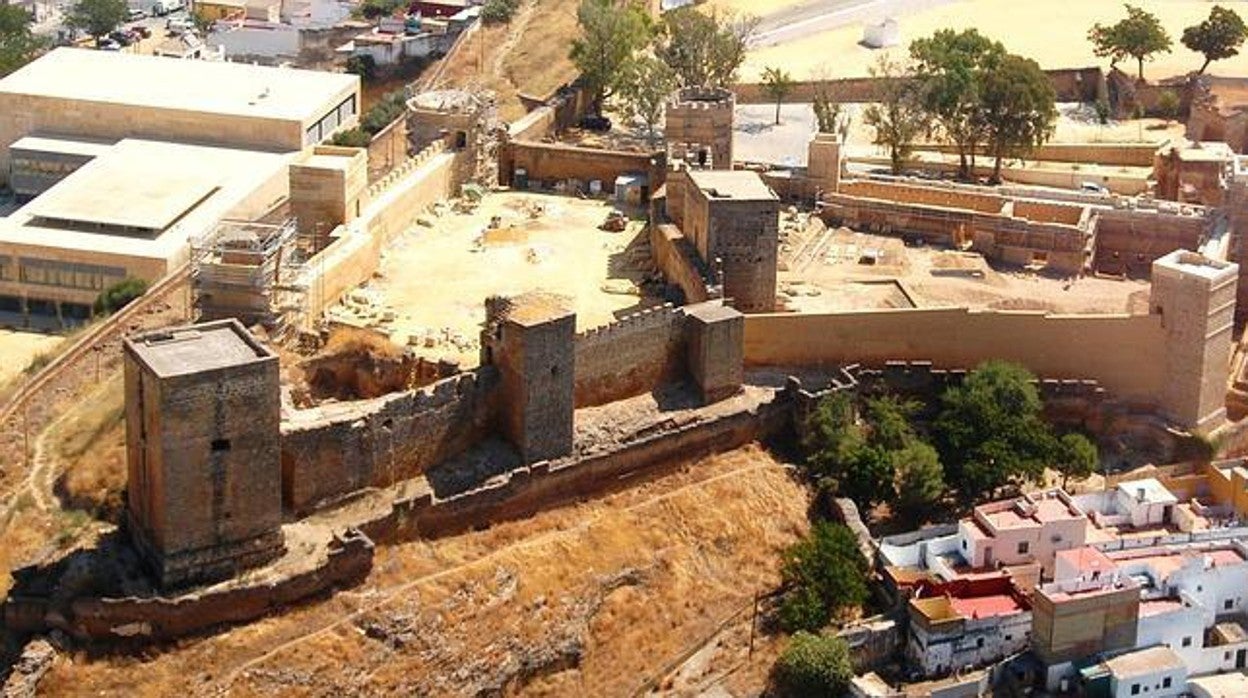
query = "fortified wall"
{"x": 334, "y": 450}
{"x": 1178, "y": 354}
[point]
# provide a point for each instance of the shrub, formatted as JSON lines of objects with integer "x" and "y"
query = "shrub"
{"x": 364, "y": 66}
{"x": 119, "y": 295}
{"x": 499, "y": 11}
{"x": 825, "y": 573}
{"x": 814, "y": 666}
{"x": 352, "y": 138}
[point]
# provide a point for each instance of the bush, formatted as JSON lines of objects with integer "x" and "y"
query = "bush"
{"x": 380, "y": 115}
{"x": 364, "y": 66}
{"x": 825, "y": 574}
{"x": 352, "y": 138}
{"x": 499, "y": 11}
{"x": 814, "y": 666}
{"x": 119, "y": 295}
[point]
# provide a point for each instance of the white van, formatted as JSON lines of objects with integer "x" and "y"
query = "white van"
{"x": 160, "y": 8}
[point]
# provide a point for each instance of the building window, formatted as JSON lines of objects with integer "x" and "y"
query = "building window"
{"x": 1165, "y": 683}
{"x": 964, "y": 544}
{"x": 1228, "y": 604}
{"x": 1135, "y": 689}
{"x": 1187, "y": 641}
{"x": 979, "y": 643}
{"x": 1023, "y": 547}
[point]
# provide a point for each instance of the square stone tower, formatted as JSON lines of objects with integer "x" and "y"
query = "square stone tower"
{"x": 203, "y": 452}
{"x": 733, "y": 220}
{"x": 716, "y": 349}
{"x": 531, "y": 340}
{"x": 698, "y": 128}
{"x": 1195, "y": 297}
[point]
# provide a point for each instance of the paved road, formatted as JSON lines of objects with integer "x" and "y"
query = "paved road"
{"x": 815, "y": 16}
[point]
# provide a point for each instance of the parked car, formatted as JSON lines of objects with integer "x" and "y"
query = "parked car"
{"x": 109, "y": 45}
{"x": 136, "y": 14}
{"x": 142, "y": 30}
{"x": 121, "y": 37}
{"x": 178, "y": 26}
{"x": 163, "y": 7}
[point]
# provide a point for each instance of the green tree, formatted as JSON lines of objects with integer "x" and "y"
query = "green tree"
{"x": 919, "y": 480}
{"x": 989, "y": 431}
{"x": 611, "y": 35}
{"x": 890, "y": 421}
{"x": 839, "y": 456}
{"x": 704, "y": 49}
{"x": 825, "y": 575}
{"x": 898, "y": 117}
{"x": 813, "y": 666}
{"x": 97, "y": 17}
{"x": 1075, "y": 456}
{"x": 1168, "y": 104}
{"x": 119, "y": 295}
{"x": 951, "y": 68}
{"x": 830, "y": 116}
{"x": 1216, "y": 38}
{"x": 374, "y": 9}
{"x": 778, "y": 85}
{"x": 1139, "y": 36}
{"x": 1019, "y": 109}
{"x": 18, "y": 44}
{"x": 646, "y": 85}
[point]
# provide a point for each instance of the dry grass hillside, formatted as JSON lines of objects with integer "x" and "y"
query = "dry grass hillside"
{"x": 603, "y": 598}
{"x": 528, "y": 56}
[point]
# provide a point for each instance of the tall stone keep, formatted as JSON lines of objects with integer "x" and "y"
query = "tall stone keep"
{"x": 733, "y": 220}
{"x": 698, "y": 128}
{"x": 1195, "y": 297}
{"x": 824, "y": 161}
{"x": 531, "y": 339}
{"x": 203, "y": 452}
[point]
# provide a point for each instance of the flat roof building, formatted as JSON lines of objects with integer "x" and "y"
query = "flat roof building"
{"x": 114, "y": 95}
{"x": 130, "y": 212}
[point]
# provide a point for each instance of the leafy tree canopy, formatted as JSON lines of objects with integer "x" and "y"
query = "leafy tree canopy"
{"x": 813, "y": 666}
{"x": 825, "y": 573}
{"x": 1218, "y": 37}
{"x": 18, "y": 44}
{"x": 611, "y": 35}
{"x": 97, "y": 17}
{"x": 1019, "y": 108}
{"x": 704, "y": 49}
{"x": 645, "y": 87}
{"x": 899, "y": 117}
{"x": 951, "y": 68}
{"x": 1139, "y": 36}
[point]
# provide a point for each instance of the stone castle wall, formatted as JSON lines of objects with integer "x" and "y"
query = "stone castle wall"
{"x": 334, "y": 450}
{"x": 631, "y": 356}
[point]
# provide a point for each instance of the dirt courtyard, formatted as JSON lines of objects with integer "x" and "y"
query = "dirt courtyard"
{"x": 431, "y": 288}
{"x": 843, "y": 270}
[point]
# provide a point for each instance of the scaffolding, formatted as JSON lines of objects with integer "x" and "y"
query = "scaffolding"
{"x": 253, "y": 272}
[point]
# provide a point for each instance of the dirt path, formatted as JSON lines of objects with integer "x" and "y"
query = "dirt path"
{"x": 392, "y": 593}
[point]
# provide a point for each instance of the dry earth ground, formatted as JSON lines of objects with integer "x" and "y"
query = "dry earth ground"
{"x": 601, "y": 598}
{"x": 1053, "y": 32}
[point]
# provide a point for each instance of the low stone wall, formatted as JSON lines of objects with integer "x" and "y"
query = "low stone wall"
{"x": 1129, "y": 241}
{"x": 556, "y": 162}
{"x": 335, "y": 450}
{"x": 159, "y": 619}
{"x": 544, "y": 485}
{"x": 387, "y": 149}
{"x": 629, "y": 357}
{"x": 679, "y": 263}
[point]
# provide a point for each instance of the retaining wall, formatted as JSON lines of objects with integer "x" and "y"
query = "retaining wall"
{"x": 555, "y": 162}
{"x": 334, "y": 450}
{"x": 158, "y": 619}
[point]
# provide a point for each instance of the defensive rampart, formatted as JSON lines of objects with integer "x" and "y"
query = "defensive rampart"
{"x": 1126, "y": 354}
{"x": 630, "y": 357}
{"x": 334, "y": 450}
{"x": 680, "y": 264}
{"x": 555, "y": 162}
{"x": 159, "y": 619}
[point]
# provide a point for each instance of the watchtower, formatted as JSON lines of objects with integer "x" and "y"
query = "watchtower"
{"x": 1195, "y": 297}
{"x": 698, "y": 128}
{"x": 530, "y": 339}
{"x": 203, "y": 451}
